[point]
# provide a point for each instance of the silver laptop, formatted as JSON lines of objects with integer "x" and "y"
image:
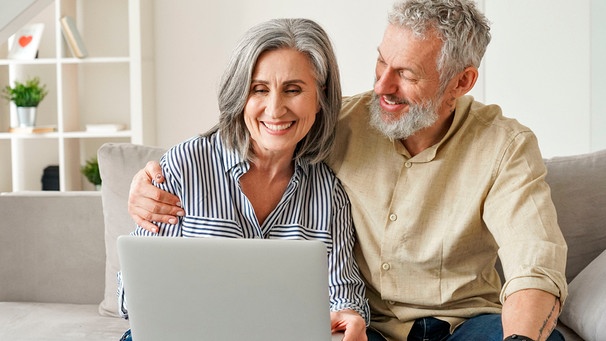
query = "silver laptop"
{"x": 225, "y": 289}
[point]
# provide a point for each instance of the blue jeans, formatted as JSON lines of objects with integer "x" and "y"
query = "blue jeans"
{"x": 486, "y": 327}
{"x": 127, "y": 336}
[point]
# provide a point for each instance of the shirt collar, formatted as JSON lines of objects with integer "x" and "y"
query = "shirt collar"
{"x": 232, "y": 160}
{"x": 460, "y": 114}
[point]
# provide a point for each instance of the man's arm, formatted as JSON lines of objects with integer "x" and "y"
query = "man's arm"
{"x": 147, "y": 203}
{"x": 530, "y": 312}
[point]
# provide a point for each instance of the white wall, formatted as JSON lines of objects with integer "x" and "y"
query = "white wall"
{"x": 195, "y": 38}
{"x": 543, "y": 66}
{"x": 598, "y": 74}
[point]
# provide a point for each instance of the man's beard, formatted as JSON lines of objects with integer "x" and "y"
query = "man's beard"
{"x": 418, "y": 117}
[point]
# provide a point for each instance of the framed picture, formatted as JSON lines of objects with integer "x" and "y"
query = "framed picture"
{"x": 26, "y": 41}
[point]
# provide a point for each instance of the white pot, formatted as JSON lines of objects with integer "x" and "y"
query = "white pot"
{"x": 26, "y": 116}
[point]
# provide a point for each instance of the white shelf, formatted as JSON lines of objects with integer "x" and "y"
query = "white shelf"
{"x": 9, "y": 136}
{"x": 107, "y": 87}
{"x": 68, "y": 135}
{"x": 92, "y": 135}
{"x": 54, "y": 61}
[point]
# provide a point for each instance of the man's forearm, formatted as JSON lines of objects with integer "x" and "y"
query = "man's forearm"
{"x": 532, "y": 312}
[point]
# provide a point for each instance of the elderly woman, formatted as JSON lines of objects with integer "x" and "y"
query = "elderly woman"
{"x": 259, "y": 172}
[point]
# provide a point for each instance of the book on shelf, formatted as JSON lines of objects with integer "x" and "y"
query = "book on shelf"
{"x": 72, "y": 37}
{"x": 33, "y": 130}
{"x": 104, "y": 128}
{"x": 25, "y": 42}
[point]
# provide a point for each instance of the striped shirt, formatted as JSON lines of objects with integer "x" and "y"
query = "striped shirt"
{"x": 205, "y": 175}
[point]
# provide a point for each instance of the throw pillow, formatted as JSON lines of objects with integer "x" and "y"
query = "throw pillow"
{"x": 585, "y": 309}
{"x": 118, "y": 163}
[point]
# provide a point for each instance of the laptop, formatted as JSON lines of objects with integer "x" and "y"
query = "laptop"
{"x": 225, "y": 289}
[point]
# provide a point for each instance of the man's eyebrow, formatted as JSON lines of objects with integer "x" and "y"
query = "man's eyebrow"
{"x": 398, "y": 68}
{"x": 379, "y": 52}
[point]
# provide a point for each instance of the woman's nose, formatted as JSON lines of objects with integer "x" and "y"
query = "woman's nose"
{"x": 275, "y": 106}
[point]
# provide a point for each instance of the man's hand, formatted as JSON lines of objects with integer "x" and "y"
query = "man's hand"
{"x": 147, "y": 203}
{"x": 349, "y": 322}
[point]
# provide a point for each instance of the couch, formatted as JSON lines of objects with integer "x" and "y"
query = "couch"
{"x": 58, "y": 255}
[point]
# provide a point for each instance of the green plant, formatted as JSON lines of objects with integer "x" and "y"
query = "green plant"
{"x": 91, "y": 171}
{"x": 28, "y": 94}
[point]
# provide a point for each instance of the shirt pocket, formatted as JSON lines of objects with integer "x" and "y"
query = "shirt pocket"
{"x": 300, "y": 232}
{"x": 199, "y": 227}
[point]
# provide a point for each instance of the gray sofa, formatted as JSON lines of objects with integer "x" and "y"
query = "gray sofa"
{"x": 52, "y": 264}
{"x": 58, "y": 259}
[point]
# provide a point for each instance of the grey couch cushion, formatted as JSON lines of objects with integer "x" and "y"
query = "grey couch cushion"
{"x": 57, "y": 322}
{"x": 118, "y": 163}
{"x": 43, "y": 234}
{"x": 578, "y": 189}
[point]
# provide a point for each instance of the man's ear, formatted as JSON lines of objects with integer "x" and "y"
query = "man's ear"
{"x": 466, "y": 79}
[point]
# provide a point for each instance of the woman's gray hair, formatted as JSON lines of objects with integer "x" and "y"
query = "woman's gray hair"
{"x": 464, "y": 30}
{"x": 302, "y": 35}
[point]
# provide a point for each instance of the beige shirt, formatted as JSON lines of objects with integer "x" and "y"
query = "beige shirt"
{"x": 430, "y": 227}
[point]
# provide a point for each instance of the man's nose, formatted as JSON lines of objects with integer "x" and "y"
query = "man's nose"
{"x": 386, "y": 82}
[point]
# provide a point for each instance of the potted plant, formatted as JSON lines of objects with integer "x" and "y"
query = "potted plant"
{"x": 90, "y": 170}
{"x": 26, "y": 97}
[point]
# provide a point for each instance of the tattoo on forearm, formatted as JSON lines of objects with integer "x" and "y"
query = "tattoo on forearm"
{"x": 549, "y": 324}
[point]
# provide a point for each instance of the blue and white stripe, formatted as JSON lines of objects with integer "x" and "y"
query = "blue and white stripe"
{"x": 205, "y": 176}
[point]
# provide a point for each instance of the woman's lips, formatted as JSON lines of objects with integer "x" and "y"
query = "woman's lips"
{"x": 277, "y": 126}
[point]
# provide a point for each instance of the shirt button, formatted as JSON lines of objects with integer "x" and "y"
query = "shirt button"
{"x": 393, "y": 217}
{"x": 386, "y": 266}
{"x": 408, "y": 164}
{"x": 391, "y": 302}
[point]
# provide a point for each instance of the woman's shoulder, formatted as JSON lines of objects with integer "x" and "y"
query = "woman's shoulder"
{"x": 194, "y": 144}
{"x": 199, "y": 147}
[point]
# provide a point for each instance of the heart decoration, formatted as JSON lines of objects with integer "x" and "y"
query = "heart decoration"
{"x": 25, "y": 40}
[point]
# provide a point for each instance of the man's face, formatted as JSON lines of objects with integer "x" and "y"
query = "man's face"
{"x": 407, "y": 97}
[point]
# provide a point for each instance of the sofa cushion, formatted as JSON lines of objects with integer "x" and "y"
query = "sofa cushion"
{"x": 118, "y": 163}
{"x": 57, "y": 322}
{"x": 51, "y": 241}
{"x": 578, "y": 189}
{"x": 584, "y": 310}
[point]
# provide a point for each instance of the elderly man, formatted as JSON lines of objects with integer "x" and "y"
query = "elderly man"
{"x": 440, "y": 187}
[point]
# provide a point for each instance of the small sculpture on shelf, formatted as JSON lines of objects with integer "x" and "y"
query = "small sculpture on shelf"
{"x": 91, "y": 171}
{"x": 26, "y": 97}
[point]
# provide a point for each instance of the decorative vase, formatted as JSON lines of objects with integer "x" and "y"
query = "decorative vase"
{"x": 26, "y": 116}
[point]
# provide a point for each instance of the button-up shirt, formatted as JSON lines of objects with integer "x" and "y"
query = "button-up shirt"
{"x": 431, "y": 226}
{"x": 205, "y": 175}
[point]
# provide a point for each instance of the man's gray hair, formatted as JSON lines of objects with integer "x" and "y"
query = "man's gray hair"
{"x": 463, "y": 29}
{"x": 302, "y": 35}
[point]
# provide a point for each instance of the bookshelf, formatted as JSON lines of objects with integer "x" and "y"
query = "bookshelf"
{"x": 113, "y": 85}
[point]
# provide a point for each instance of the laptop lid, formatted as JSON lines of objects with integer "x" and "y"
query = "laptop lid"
{"x": 225, "y": 289}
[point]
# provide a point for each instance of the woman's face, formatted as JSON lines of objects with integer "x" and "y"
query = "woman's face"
{"x": 282, "y": 102}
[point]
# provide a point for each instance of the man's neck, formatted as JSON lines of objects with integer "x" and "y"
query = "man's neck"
{"x": 429, "y": 136}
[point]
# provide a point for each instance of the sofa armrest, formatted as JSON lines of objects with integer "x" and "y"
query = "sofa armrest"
{"x": 52, "y": 247}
